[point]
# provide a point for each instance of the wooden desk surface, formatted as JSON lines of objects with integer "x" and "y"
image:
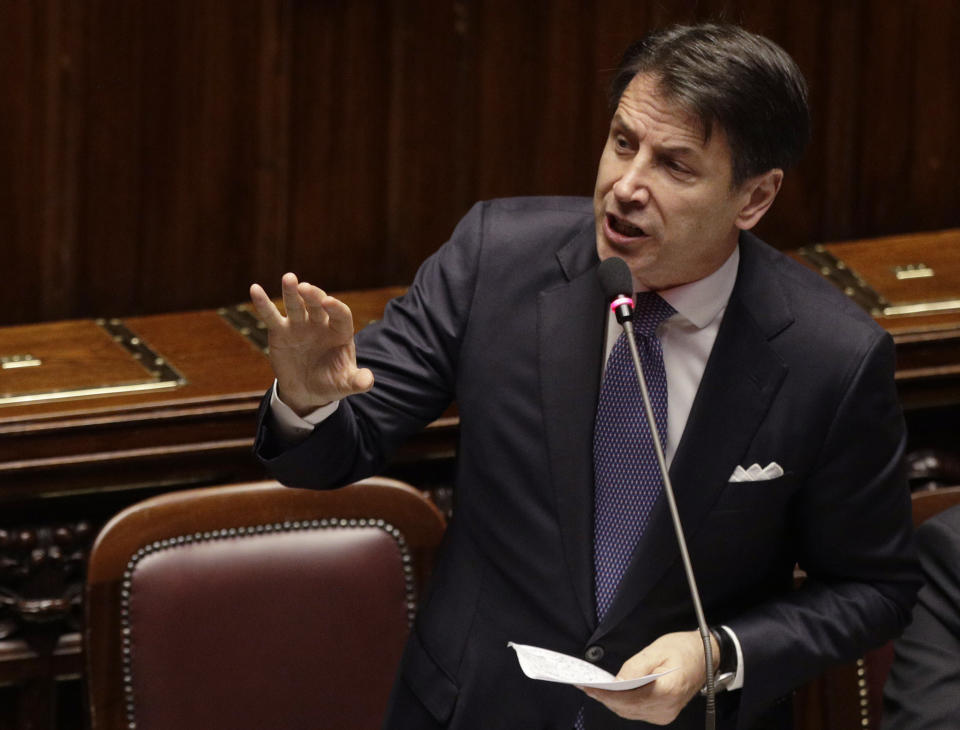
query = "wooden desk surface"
{"x": 65, "y": 428}
{"x": 911, "y": 286}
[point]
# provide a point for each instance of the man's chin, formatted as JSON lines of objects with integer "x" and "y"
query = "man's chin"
{"x": 638, "y": 252}
{"x": 642, "y": 267}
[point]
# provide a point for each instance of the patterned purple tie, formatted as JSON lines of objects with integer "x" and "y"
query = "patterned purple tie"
{"x": 627, "y": 479}
{"x": 626, "y": 476}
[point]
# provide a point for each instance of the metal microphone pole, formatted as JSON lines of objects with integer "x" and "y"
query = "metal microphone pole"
{"x": 711, "y": 711}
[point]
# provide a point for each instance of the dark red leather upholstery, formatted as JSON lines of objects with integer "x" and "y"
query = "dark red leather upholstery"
{"x": 288, "y": 621}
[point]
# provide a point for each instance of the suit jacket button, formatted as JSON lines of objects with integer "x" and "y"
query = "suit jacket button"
{"x": 594, "y": 653}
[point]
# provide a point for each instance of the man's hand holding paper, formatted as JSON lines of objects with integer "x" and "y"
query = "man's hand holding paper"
{"x": 678, "y": 660}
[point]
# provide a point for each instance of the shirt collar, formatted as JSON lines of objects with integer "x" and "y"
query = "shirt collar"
{"x": 701, "y": 301}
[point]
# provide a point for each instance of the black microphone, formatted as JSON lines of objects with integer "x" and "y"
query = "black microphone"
{"x": 617, "y": 283}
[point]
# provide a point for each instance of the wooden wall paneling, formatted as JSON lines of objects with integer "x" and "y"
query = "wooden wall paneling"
{"x": 58, "y": 248}
{"x": 223, "y": 238}
{"x": 432, "y": 126}
{"x": 568, "y": 151}
{"x": 510, "y": 42}
{"x": 464, "y": 164}
{"x": 110, "y": 175}
{"x": 757, "y": 16}
{"x": 340, "y": 111}
{"x": 933, "y": 195}
{"x": 693, "y": 11}
{"x": 171, "y": 80}
{"x": 314, "y": 85}
{"x": 272, "y": 215}
{"x": 21, "y": 94}
{"x": 160, "y": 156}
{"x": 537, "y": 87}
{"x": 168, "y": 96}
{"x": 887, "y": 125}
{"x": 833, "y": 160}
{"x": 38, "y": 131}
{"x": 201, "y": 146}
{"x": 797, "y": 28}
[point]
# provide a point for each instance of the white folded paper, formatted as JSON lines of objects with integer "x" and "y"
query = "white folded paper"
{"x": 552, "y": 666}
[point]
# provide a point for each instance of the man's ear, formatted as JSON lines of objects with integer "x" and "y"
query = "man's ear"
{"x": 759, "y": 193}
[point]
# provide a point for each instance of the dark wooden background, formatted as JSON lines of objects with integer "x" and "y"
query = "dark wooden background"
{"x": 159, "y": 156}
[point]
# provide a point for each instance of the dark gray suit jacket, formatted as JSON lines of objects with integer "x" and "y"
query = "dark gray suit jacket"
{"x": 508, "y": 319}
{"x": 923, "y": 689}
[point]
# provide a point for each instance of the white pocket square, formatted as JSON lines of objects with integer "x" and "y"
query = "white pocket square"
{"x": 756, "y": 473}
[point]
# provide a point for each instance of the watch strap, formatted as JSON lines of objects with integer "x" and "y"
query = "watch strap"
{"x": 728, "y": 651}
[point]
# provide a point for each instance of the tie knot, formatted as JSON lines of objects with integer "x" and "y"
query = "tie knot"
{"x": 649, "y": 310}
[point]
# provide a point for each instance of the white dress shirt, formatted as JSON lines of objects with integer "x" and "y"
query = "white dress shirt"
{"x": 687, "y": 338}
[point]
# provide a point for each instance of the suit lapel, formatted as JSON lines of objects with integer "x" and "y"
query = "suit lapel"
{"x": 741, "y": 378}
{"x": 571, "y": 321}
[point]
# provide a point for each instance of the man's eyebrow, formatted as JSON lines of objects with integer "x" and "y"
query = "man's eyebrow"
{"x": 678, "y": 149}
{"x": 620, "y": 121}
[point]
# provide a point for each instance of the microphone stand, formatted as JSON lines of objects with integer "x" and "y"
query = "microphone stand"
{"x": 624, "y": 314}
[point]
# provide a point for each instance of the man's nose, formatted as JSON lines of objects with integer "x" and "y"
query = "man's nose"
{"x": 632, "y": 187}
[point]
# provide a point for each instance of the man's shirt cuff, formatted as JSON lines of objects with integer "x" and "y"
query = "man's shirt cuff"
{"x": 737, "y": 682}
{"x": 293, "y": 428}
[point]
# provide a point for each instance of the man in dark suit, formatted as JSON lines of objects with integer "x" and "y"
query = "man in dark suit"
{"x": 784, "y": 436}
{"x": 923, "y": 689}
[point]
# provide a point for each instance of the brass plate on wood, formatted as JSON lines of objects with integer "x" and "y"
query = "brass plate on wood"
{"x": 895, "y": 276}
{"x": 366, "y": 305}
{"x": 13, "y": 362}
{"x": 79, "y": 359}
{"x": 247, "y": 324}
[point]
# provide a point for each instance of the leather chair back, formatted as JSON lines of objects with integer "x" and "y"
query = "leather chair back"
{"x": 255, "y": 606}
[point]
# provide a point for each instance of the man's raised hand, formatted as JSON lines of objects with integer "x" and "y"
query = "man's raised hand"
{"x": 311, "y": 348}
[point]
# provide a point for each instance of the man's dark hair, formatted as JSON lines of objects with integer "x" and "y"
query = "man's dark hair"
{"x": 726, "y": 75}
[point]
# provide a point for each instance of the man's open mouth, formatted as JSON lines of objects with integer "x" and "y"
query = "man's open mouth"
{"x": 624, "y": 228}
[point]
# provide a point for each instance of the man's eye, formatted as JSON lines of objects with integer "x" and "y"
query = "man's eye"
{"x": 621, "y": 143}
